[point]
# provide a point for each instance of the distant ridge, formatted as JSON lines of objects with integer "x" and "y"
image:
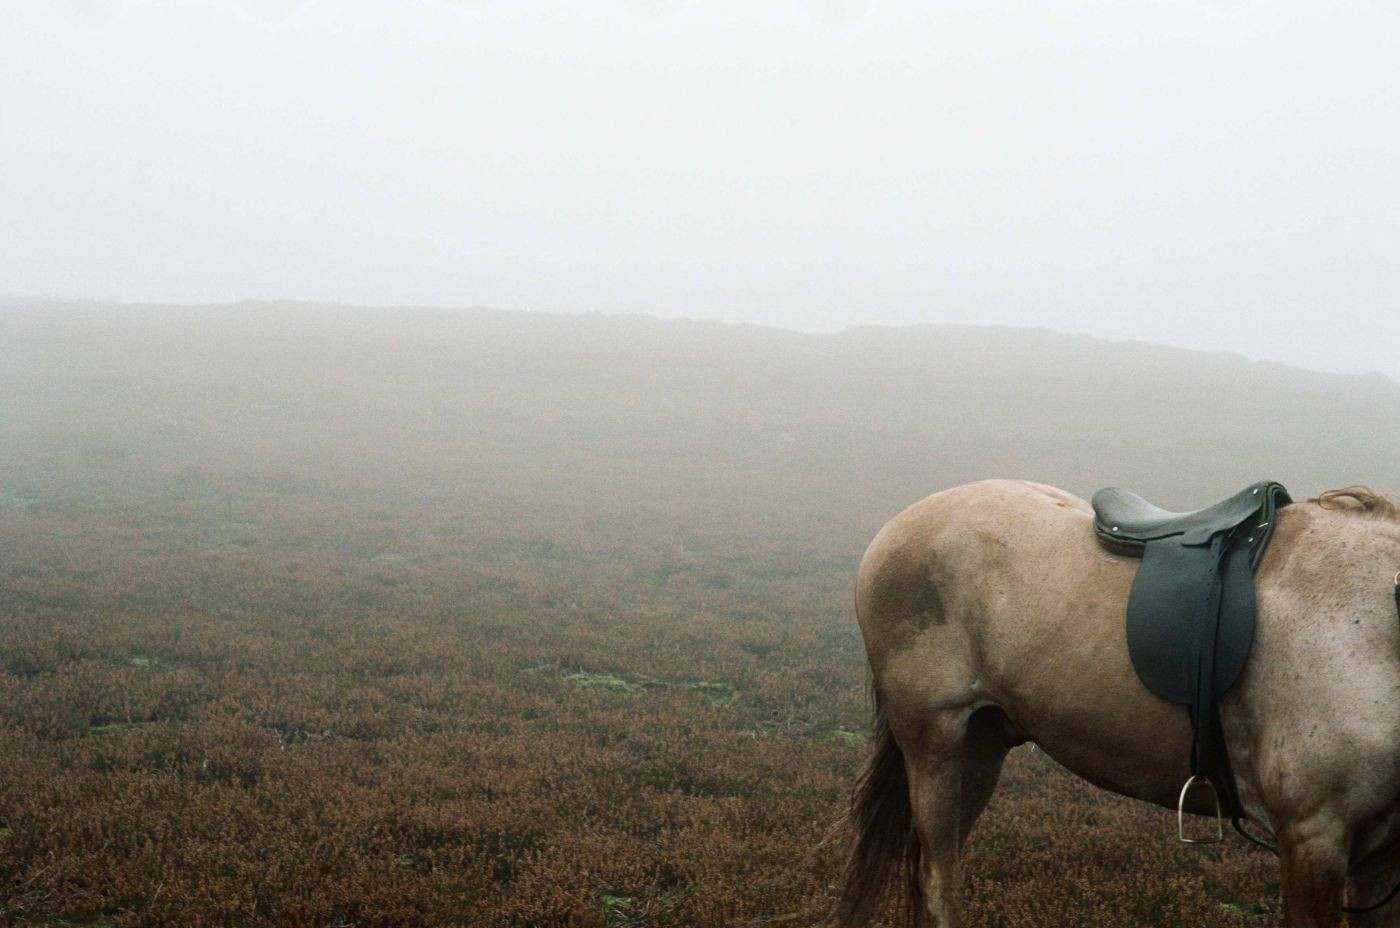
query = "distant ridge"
{"x": 623, "y": 407}
{"x": 16, "y": 302}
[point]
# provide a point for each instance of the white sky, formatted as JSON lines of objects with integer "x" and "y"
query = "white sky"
{"x": 1218, "y": 175}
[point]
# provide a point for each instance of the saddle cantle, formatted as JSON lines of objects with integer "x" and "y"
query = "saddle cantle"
{"x": 1191, "y": 609}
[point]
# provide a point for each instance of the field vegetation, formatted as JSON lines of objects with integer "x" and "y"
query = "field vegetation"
{"x": 328, "y": 617}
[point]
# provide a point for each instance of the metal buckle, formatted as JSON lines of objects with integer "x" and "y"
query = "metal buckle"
{"x": 1181, "y": 813}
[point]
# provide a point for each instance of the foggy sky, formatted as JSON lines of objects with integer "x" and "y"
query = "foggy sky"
{"x": 1215, "y": 175}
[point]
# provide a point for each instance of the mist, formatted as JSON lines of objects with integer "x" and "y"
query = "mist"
{"x": 1209, "y": 175}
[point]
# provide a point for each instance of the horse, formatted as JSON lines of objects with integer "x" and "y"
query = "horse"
{"x": 991, "y": 616}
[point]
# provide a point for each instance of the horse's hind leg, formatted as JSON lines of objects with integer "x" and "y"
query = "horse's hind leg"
{"x": 990, "y": 735}
{"x": 952, "y": 761}
{"x": 933, "y": 763}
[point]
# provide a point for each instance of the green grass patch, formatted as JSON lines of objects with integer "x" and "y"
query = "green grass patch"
{"x": 714, "y": 691}
{"x": 109, "y": 727}
{"x": 841, "y": 736}
{"x": 606, "y": 682}
{"x": 619, "y": 911}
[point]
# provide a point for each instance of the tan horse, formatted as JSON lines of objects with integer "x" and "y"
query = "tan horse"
{"x": 991, "y": 616}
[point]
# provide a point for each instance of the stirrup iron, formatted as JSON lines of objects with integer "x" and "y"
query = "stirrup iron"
{"x": 1219, "y": 835}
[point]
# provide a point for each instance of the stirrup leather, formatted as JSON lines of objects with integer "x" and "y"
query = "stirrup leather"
{"x": 1219, "y": 835}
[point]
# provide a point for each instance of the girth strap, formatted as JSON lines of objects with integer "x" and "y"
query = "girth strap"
{"x": 1202, "y": 743}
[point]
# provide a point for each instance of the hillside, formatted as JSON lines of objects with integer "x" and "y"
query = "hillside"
{"x": 495, "y": 409}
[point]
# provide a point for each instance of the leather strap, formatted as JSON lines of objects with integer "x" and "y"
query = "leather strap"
{"x": 1208, "y": 623}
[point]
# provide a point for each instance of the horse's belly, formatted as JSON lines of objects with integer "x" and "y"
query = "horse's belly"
{"x": 1049, "y": 622}
{"x": 1127, "y": 758}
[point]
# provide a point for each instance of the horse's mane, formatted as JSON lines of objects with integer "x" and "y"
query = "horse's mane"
{"x": 1358, "y": 499}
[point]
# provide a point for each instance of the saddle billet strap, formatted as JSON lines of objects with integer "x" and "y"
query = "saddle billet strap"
{"x": 1208, "y": 625}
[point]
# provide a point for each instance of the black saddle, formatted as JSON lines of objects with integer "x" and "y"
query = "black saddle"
{"x": 1191, "y": 609}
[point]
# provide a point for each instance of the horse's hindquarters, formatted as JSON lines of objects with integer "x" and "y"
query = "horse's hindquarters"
{"x": 996, "y": 593}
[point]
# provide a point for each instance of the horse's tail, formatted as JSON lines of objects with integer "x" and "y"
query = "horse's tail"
{"x": 885, "y": 857}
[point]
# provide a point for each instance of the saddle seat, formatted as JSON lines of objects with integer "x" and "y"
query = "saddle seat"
{"x": 1125, "y": 522}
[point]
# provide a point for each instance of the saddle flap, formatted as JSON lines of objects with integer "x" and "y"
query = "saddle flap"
{"x": 1166, "y": 608}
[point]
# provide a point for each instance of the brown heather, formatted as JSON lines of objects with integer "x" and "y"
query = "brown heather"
{"x": 313, "y": 620}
